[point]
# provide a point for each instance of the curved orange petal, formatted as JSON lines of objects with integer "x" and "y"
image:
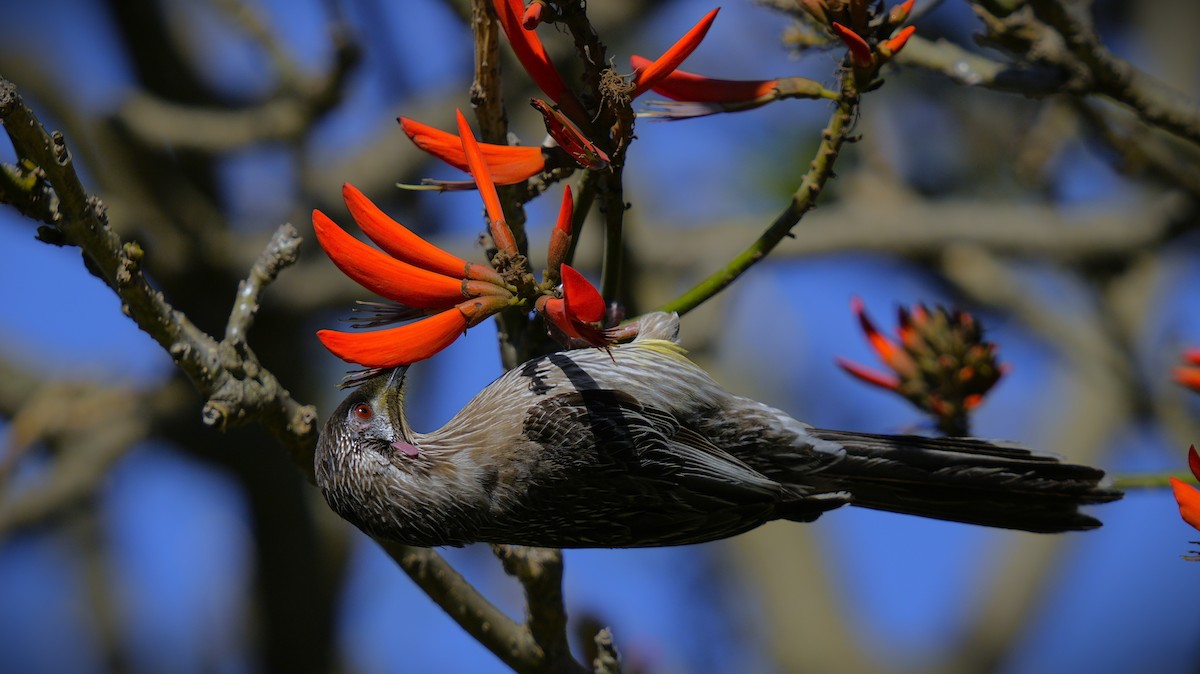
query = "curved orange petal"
{"x": 860, "y": 51}
{"x": 683, "y": 86}
{"x": 583, "y": 302}
{"x": 535, "y": 60}
{"x": 891, "y": 353}
{"x": 560, "y": 237}
{"x": 509, "y": 164}
{"x": 894, "y": 45}
{"x": 555, "y": 310}
{"x": 1189, "y": 502}
{"x": 501, "y": 234}
{"x": 570, "y": 138}
{"x": 394, "y": 347}
{"x": 644, "y": 79}
{"x": 401, "y": 243}
{"x": 396, "y": 239}
{"x": 866, "y": 374}
{"x": 383, "y": 275}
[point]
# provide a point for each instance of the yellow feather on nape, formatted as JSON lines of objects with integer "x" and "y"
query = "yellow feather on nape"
{"x": 664, "y": 347}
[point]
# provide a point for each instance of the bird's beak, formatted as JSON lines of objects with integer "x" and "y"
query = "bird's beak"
{"x": 397, "y": 376}
{"x": 392, "y": 399}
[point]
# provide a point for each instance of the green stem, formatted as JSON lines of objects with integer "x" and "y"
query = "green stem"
{"x": 612, "y": 204}
{"x": 805, "y": 197}
{"x": 1149, "y": 480}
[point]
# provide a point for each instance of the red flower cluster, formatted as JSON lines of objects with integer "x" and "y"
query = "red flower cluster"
{"x": 514, "y": 164}
{"x": 852, "y": 21}
{"x": 867, "y": 34}
{"x": 939, "y": 362}
{"x": 456, "y": 294}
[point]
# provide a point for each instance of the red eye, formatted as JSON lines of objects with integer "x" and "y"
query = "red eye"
{"x": 363, "y": 411}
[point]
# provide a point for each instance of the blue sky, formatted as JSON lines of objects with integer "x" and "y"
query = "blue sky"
{"x": 177, "y": 537}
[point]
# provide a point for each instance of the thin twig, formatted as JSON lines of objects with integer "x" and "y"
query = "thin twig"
{"x": 804, "y": 199}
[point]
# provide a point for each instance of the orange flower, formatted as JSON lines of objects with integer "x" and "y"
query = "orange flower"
{"x": 570, "y": 138}
{"x": 1186, "y": 495}
{"x": 579, "y": 314}
{"x": 645, "y": 78}
{"x": 509, "y": 164}
{"x": 860, "y": 51}
{"x": 401, "y": 243}
{"x": 1189, "y": 375}
{"x": 533, "y": 57}
{"x": 501, "y": 234}
{"x": 412, "y": 272}
{"x": 394, "y": 279}
{"x": 407, "y": 344}
{"x": 560, "y": 238}
{"x": 891, "y": 47}
{"x": 859, "y": 25}
{"x": 697, "y": 96}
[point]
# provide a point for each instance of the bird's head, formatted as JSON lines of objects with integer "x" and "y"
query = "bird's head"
{"x": 369, "y": 425}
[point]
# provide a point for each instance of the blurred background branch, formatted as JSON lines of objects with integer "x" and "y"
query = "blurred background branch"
{"x": 1016, "y": 163}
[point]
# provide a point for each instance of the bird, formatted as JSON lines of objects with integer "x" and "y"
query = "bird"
{"x": 640, "y": 447}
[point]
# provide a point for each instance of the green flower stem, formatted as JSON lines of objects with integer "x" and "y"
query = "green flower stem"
{"x": 805, "y": 197}
{"x": 1149, "y": 480}
{"x": 612, "y": 204}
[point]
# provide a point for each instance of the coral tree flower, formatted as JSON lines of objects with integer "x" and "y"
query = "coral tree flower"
{"x": 579, "y": 313}
{"x": 412, "y": 272}
{"x": 868, "y": 37}
{"x": 1186, "y": 495}
{"x": 533, "y": 58}
{"x": 1189, "y": 374}
{"x": 417, "y": 274}
{"x": 455, "y": 294}
{"x": 649, "y": 75}
{"x": 940, "y": 362}
{"x": 696, "y": 96}
{"x": 508, "y": 164}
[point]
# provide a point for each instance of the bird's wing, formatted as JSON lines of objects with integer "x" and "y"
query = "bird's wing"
{"x": 662, "y": 482}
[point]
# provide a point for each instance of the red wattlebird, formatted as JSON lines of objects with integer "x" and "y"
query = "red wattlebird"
{"x": 643, "y": 448}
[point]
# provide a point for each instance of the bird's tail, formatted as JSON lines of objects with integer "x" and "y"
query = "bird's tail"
{"x": 964, "y": 480}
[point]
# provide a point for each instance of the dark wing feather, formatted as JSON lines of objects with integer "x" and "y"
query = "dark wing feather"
{"x": 637, "y": 477}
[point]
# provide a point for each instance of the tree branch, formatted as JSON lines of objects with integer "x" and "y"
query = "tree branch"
{"x": 1154, "y": 101}
{"x": 239, "y": 388}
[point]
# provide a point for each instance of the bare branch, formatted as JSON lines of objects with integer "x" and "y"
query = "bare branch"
{"x": 1154, "y": 101}
{"x": 540, "y": 572}
{"x": 241, "y": 389}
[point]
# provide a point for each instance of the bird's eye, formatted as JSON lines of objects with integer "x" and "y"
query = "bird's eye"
{"x": 363, "y": 411}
